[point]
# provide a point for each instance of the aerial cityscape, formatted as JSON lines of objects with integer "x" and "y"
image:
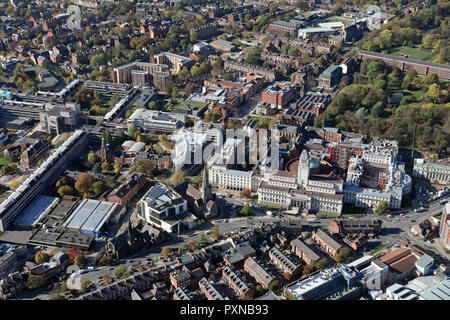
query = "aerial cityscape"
{"x": 227, "y": 150}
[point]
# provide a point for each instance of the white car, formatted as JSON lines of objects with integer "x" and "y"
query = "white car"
{"x": 389, "y": 216}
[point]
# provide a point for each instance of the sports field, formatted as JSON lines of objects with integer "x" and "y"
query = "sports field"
{"x": 413, "y": 53}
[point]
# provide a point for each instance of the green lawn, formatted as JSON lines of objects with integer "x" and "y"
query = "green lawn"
{"x": 413, "y": 53}
{"x": 438, "y": 216}
{"x": 325, "y": 215}
{"x": 255, "y": 202}
{"x": 157, "y": 147}
{"x": 3, "y": 161}
{"x": 340, "y": 19}
{"x": 418, "y": 94}
{"x": 379, "y": 248}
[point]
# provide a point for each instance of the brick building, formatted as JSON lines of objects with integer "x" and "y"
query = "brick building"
{"x": 423, "y": 68}
{"x": 237, "y": 282}
{"x": 268, "y": 74}
{"x": 126, "y": 191}
{"x": 304, "y": 252}
{"x": 326, "y": 242}
{"x": 205, "y": 31}
{"x": 260, "y": 272}
{"x": 283, "y": 262}
{"x": 369, "y": 227}
{"x": 278, "y": 94}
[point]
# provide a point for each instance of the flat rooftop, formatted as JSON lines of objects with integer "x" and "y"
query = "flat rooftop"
{"x": 36, "y": 210}
{"x": 90, "y": 215}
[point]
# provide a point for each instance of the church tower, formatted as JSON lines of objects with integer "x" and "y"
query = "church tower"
{"x": 206, "y": 187}
{"x": 303, "y": 168}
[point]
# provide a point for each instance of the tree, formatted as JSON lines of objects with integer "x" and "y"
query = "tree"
{"x": 41, "y": 257}
{"x": 430, "y": 79}
{"x": 382, "y": 207}
{"x": 35, "y": 281}
{"x": 343, "y": 254}
{"x": 202, "y": 238}
{"x": 195, "y": 71}
{"x": 98, "y": 187}
{"x": 246, "y": 193}
{"x": 177, "y": 176}
{"x": 85, "y": 284}
{"x": 183, "y": 74}
{"x": 191, "y": 245}
{"x": 321, "y": 263}
{"x": 65, "y": 190}
{"x": 245, "y": 211}
{"x": 193, "y": 37}
{"x": 215, "y": 232}
{"x": 166, "y": 252}
{"x": 308, "y": 269}
{"x": 117, "y": 166}
{"x": 122, "y": 272}
{"x": 79, "y": 260}
{"x": 106, "y": 166}
{"x": 84, "y": 183}
{"x": 275, "y": 285}
{"x": 433, "y": 92}
{"x": 72, "y": 253}
{"x": 293, "y": 51}
{"x": 14, "y": 185}
{"x": 107, "y": 280}
{"x": 92, "y": 158}
{"x": 98, "y": 60}
{"x": 273, "y": 8}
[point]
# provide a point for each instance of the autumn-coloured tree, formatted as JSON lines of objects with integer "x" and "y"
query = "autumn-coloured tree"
{"x": 72, "y": 253}
{"x": 84, "y": 183}
{"x": 65, "y": 190}
{"x": 92, "y": 158}
{"x": 166, "y": 252}
{"x": 215, "y": 232}
{"x": 79, "y": 260}
{"x": 85, "y": 284}
{"x": 117, "y": 166}
{"x": 41, "y": 257}
{"x": 246, "y": 193}
{"x": 14, "y": 185}
{"x": 308, "y": 269}
{"x": 106, "y": 166}
{"x": 107, "y": 280}
{"x": 177, "y": 176}
{"x": 191, "y": 245}
{"x": 35, "y": 281}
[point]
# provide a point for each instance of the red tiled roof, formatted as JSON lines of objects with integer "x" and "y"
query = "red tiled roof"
{"x": 405, "y": 264}
{"x": 395, "y": 255}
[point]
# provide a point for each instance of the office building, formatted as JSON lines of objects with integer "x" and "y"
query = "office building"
{"x": 161, "y": 207}
{"x": 156, "y": 121}
{"x": 174, "y": 61}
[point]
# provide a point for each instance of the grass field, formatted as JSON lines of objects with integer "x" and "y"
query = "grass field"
{"x": 157, "y": 147}
{"x": 340, "y": 19}
{"x": 413, "y": 53}
{"x": 3, "y": 161}
{"x": 418, "y": 94}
